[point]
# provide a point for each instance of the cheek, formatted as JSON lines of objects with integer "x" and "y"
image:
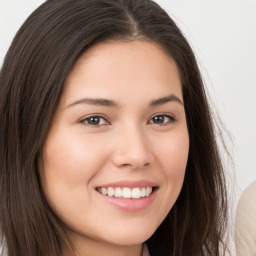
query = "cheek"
{"x": 73, "y": 160}
{"x": 174, "y": 155}
{"x": 69, "y": 166}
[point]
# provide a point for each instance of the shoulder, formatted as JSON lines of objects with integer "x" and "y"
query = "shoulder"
{"x": 246, "y": 208}
{"x": 249, "y": 193}
{"x": 245, "y": 227}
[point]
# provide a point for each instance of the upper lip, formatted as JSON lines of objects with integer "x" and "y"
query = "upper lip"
{"x": 130, "y": 184}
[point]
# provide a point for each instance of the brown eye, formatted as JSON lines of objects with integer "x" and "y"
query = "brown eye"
{"x": 162, "y": 119}
{"x": 95, "y": 121}
{"x": 158, "y": 119}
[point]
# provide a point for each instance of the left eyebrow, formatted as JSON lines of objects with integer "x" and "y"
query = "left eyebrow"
{"x": 164, "y": 100}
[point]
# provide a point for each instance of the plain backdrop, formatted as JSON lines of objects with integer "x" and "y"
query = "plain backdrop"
{"x": 223, "y": 36}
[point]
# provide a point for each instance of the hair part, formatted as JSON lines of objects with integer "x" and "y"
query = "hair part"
{"x": 31, "y": 83}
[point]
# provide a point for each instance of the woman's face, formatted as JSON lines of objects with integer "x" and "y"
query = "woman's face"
{"x": 115, "y": 156}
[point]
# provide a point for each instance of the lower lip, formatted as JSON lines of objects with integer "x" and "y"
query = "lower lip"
{"x": 130, "y": 205}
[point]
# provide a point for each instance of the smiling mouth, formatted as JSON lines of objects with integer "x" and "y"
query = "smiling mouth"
{"x": 126, "y": 193}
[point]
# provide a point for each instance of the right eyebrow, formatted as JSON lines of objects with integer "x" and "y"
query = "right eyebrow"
{"x": 94, "y": 101}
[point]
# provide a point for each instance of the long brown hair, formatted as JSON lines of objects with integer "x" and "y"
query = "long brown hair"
{"x": 31, "y": 83}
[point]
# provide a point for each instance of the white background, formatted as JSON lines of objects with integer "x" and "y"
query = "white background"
{"x": 223, "y": 36}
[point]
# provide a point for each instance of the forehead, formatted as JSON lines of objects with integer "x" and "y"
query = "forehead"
{"x": 131, "y": 67}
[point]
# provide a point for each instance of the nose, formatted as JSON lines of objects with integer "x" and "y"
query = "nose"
{"x": 132, "y": 149}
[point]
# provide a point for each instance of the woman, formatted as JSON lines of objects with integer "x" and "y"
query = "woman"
{"x": 107, "y": 139}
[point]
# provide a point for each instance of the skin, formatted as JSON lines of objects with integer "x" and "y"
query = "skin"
{"x": 127, "y": 144}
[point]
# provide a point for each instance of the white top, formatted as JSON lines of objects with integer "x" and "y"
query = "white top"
{"x": 245, "y": 232}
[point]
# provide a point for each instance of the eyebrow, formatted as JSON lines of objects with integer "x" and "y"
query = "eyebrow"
{"x": 111, "y": 103}
{"x": 96, "y": 102}
{"x": 164, "y": 100}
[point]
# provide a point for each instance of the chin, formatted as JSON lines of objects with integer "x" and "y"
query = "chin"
{"x": 131, "y": 236}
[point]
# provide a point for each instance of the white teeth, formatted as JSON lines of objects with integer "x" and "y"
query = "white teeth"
{"x": 104, "y": 191}
{"x": 135, "y": 193}
{"x": 118, "y": 192}
{"x": 127, "y": 193}
{"x": 111, "y": 191}
{"x": 143, "y": 192}
{"x": 148, "y": 191}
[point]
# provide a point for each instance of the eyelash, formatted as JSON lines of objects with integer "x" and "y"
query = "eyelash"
{"x": 86, "y": 120}
{"x": 171, "y": 119}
